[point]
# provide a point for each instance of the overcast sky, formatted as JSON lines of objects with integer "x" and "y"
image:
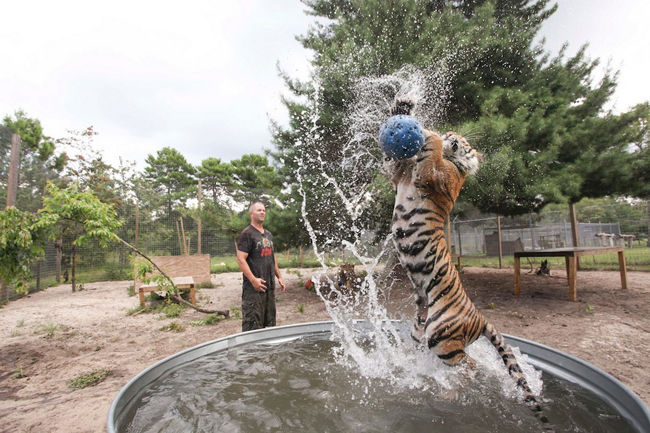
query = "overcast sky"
{"x": 200, "y": 76}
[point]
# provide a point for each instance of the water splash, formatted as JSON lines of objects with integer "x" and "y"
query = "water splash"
{"x": 383, "y": 350}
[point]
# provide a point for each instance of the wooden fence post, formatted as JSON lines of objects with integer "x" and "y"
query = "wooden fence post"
{"x": 574, "y": 230}
{"x": 12, "y": 192}
{"x": 14, "y": 167}
{"x": 184, "y": 241}
{"x": 499, "y": 240}
{"x": 198, "y": 240}
{"x": 58, "y": 246}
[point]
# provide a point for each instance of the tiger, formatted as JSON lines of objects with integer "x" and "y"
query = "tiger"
{"x": 426, "y": 188}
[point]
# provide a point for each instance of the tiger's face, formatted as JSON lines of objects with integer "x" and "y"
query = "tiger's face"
{"x": 458, "y": 151}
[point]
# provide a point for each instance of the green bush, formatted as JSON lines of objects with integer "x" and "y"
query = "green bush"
{"x": 172, "y": 310}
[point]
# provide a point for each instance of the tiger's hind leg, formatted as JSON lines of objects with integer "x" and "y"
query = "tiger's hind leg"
{"x": 452, "y": 353}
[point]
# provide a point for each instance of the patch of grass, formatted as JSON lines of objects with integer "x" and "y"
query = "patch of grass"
{"x": 301, "y": 308}
{"x": 223, "y": 264}
{"x": 113, "y": 274}
{"x": 15, "y": 333}
{"x": 205, "y": 285}
{"x": 589, "y": 308}
{"x": 132, "y": 311}
{"x": 173, "y": 327}
{"x": 210, "y": 319}
{"x": 19, "y": 373}
{"x": 236, "y": 313}
{"x": 50, "y": 328}
{"x": 93, "y": 378}
{"x": 278, "y": 299}
{"x": 130, "y": 290}
{"x": 491, "y": 306}
{"x": 20, "y": 323}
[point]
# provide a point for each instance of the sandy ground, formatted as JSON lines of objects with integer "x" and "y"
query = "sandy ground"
{"x": 607, "y": 327}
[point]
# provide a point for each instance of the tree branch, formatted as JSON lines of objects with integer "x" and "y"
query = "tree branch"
{"x": 225, "y": 313}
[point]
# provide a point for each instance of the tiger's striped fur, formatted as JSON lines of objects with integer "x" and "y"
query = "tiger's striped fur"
{"x": 427, "y": 186}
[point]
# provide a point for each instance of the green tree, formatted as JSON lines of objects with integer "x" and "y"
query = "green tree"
{"x": 467, "y": 47}
{"x": 22, "y": 243}
{"x": 551, "y": 140}
{"x": 253, "y": 179}
{"x": 23, "y": 234}
{"x": 38, "y": 161}
{"x": 216, "y": 178}
{"x": 639, "y": 182}
{"x": 82, "y": 215}
{"x": 171, "y": 176}
{"x": 86, "y": 167}
{"x": 541, "y": 121}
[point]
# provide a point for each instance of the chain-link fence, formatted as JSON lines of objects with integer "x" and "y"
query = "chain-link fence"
{"x": 151, "y": 234}
{"x": 479, "y": 237}
{"x": 160, "y": 235}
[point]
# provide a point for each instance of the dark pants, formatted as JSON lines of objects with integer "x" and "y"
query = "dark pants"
{"x": 257, "y": 309}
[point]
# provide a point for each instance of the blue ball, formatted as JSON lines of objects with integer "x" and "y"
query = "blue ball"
{"x": 401, "y": 137}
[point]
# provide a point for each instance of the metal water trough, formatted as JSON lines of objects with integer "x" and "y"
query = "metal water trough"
{"x": 547, "y": 359}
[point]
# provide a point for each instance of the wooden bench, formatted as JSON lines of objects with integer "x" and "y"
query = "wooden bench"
{"x": 570, "y": 255}
{"x": 182, "y": 283}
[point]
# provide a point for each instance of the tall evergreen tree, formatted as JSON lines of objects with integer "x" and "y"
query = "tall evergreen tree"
{"x": 172, "y": 176}
{"x": 551, "y": 139}
{"x": 216, "y": 177}
{"x": 541, "y": 122}
{"x": 480, "y": 45}
{"x": 253, "y": 179}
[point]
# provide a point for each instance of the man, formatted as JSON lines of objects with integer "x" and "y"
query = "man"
{"x": 257, "y": 261}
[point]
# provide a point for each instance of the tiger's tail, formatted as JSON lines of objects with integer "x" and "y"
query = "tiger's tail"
{"x": 516, "y": 373}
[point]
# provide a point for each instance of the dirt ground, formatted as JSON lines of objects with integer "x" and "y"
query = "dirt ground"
{"x": 607, "y": 327}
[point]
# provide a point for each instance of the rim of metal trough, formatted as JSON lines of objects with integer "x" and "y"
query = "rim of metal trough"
{"x": 545, "y": 358}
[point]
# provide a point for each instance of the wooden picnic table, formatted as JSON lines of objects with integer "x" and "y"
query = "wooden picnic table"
{"x": 570, "y": 256}
{"x": 182, "y": 283}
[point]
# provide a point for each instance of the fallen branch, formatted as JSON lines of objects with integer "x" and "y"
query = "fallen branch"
{"x": 225, "y": 313}
{"x": 175, "y": 296}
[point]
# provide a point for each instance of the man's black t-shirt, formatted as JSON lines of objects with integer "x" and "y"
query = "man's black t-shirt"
{"x": 260, "y": 258}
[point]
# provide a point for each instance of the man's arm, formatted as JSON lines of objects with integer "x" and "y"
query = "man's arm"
{"x": 278, "y": 274}
{"x": 258, "y": 283}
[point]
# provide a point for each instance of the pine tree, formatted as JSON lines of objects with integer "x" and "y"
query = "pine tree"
{"x": 38, "y": 161}
{"x": 541, "y": 121}
{"x": 171, "y": 175}
{"x": 484, "y": 45}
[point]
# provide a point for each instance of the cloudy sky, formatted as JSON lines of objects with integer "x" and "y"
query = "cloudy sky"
{"x": 201, "y": 76}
